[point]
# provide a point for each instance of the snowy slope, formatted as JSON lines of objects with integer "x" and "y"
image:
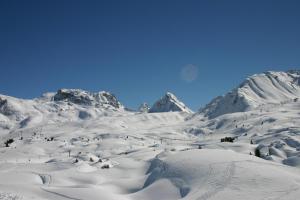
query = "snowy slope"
{"x": 149, "y": 156}
{"x": 274, "y": 130}
{"x": 260, "y": 89}
{"x": 223, "y": 174}
{"x": 167, "y": 103}
{"x": 79, "y": 145}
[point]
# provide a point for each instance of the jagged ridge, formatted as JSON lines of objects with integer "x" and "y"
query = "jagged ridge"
{"x": 82, "y": 97}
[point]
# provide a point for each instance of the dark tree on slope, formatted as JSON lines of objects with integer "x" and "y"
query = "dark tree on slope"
{"x": 8, "y": 142}
{"x": 227, "y": 139}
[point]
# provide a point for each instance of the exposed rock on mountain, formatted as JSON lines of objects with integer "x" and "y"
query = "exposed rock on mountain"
{"x": 82, "y": 97}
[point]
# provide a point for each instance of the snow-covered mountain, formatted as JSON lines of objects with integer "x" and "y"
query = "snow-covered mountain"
{"x": 64, "y": 105}
{"x": 257, "y": 90}
{"x": 82, "y": 97}
{"x": 144, "y": 107}
{"x": 75, "y": 144}
{"x": 169, "y": 103}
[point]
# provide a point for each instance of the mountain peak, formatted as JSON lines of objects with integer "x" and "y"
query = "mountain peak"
{"x": 82, "y": 97}
{"x": 169, "y": 103}
{"x": 259, "y": 89}
{"x": 144, "y": 108}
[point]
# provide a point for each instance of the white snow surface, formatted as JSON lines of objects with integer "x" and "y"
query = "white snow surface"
{"x": 70, "y": 149}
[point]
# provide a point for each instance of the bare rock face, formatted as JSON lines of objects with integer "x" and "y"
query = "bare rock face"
{"x": 82, "y": 97}
{"x": 74, "y": 95}
{"x": 4, "y": 108}
{"x": 2, "y": 102}
{"x": 169, "y": 103}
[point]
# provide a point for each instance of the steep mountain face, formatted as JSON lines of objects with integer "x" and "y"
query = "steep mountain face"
{"x": 169, "y": 103}
{"x": 144, "y": 108}
{"x": 257, "y": 90}
{"x": 82, "y": 97}
{"x": 4, "y": 107}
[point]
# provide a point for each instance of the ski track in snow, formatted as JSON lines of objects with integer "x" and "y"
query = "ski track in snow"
{"x": 61, "y": 195}
{"x": 285, "y": 193}
{"x": 216, "y": 183}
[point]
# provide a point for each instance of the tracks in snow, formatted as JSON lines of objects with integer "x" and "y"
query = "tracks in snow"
{"x": 46, "y": 180}
{"x": 218, "y": 179}
{"x": 61, "y": 195}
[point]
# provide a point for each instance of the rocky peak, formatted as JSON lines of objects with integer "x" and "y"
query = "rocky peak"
{"x": 144, "y": 107}
{"x": 82, "y": 97}
{"x": 169, "y": 103}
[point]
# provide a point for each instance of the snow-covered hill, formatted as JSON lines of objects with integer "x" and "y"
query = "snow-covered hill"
{"x": 167, "y": 103}
{"x": 75, "y": 144}
{"x": 257, "y": 90}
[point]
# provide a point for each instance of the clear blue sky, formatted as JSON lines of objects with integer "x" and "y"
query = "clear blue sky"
{"x": 137, "y": 49}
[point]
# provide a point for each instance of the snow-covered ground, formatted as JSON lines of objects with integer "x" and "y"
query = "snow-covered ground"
{"x": 79, "y": 145}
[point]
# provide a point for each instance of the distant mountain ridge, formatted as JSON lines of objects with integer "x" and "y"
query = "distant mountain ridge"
{"x": 72, "y": 104}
